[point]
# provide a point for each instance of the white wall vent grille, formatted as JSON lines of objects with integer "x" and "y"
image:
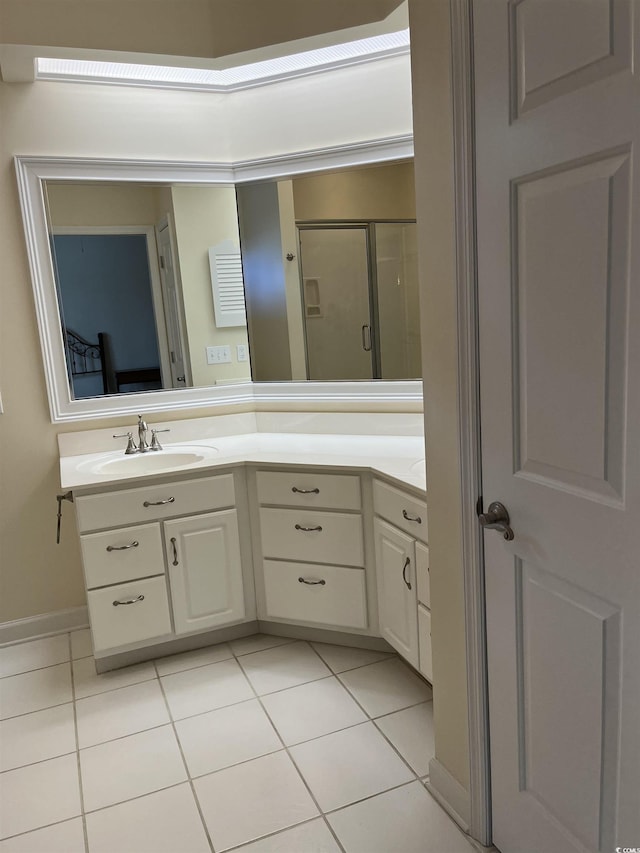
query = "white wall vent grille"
{"x": 227, "y": 285}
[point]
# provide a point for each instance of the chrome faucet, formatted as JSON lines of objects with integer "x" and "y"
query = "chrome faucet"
{"x": 142, "y": 446}
{"x": 142, "y": 435}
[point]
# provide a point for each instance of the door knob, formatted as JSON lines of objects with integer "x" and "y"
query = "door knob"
{"x": 496, "y": 518}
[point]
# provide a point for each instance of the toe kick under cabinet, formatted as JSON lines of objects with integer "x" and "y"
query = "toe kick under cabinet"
{"x": 402, "y": 564}
{"x": 161, "y": 560}
{"x": 312, "y": 550}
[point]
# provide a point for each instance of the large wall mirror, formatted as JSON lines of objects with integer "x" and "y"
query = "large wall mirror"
{"x": 180, "y": 285}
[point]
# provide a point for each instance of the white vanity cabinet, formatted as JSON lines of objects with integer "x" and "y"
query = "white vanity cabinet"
{"x": 205, "y": 572}
{"x": 311, "y": 549}
{"x": 176, "y": 573}
{"x": 402, "y": 564}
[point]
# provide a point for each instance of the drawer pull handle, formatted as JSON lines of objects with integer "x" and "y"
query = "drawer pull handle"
{"x": 134, "y": 544}
{"x": 408, "y": 517}
{"x": 407, "y": 563}
{"x": 298, "y": 491}
{"x": 175, "y": 551}
{"x": 311, "y": 583}
{"x": 159, "y": 503}
{"x": 129, "y": 600}
{"x": 309, "y": 529}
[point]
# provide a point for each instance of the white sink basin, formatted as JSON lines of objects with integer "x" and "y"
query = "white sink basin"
{"x": 150, "y": 462}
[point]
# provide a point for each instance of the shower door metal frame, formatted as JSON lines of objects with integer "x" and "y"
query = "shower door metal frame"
{"x": 369, "y": 227}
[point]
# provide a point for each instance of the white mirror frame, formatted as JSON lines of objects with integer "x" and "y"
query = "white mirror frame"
{"x": 32, "y": 172}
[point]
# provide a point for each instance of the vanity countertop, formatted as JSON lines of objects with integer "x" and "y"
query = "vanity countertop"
{"x": 398, "y": 457}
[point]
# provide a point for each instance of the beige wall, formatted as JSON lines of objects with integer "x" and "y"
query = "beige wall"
{"x": 197, "y": 28}
{"x": 100, "y": 204}
{"x": 204, "y": 217}
{"x": 434, "y": 194}
{"x": 379, "y": 192}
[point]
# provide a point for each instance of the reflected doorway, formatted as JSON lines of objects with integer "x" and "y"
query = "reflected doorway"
{"x": 107, "y": 305}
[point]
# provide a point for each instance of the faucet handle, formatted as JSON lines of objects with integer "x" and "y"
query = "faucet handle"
{"x": 155, "y": 444}
{"x": 131, "y": 447}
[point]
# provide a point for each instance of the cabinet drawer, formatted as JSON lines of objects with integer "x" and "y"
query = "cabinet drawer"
{"x": 127, "y": 506}
{"x": 122, "y": 555}
{"x": 118, "y": 625}
{"x": 340, "y": 601}
{"x": 424, "y": 642}
{"x": 407, "y": 513}
{"x": 422, "y": 574}
{"x": 315, "y": 537}
{"x": 307, "y": 489}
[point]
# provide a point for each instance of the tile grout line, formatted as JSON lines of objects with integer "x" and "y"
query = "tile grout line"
{"x": 136, "y": 797}
{"x": 35, "y": 640}
{"x": 46, "y": 636}
{"x": 77, "y": 736}
{"x": 38, "y": 828}
{"x": 113, "y": 689}
{"x": 33, "y": 669}
{"x": 39, "y": 761}
{"x": 290, "y": 757}
{"x": 370, "y": 797}
{"x": 184, "y": 761}
{"x": 273, "y": 834}
{"x": 35, "y": 711}
{"x": 373, "y": 721}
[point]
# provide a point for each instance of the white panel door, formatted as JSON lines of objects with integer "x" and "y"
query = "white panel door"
{"x": 558, "y": 110}
{"x": 397, "y": 597}
{"x": 205, "y": 572}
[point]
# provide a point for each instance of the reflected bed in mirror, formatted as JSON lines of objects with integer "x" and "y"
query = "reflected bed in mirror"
{"x": 145, "y": 302}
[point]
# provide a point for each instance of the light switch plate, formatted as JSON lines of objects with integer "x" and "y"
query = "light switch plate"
{"x": 219, "y": 355}
{"x": 241, "y": 352}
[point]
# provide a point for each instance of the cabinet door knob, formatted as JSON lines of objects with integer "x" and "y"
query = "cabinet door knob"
{"x": 407, "y": 563}
{"x": 175, "y": 551}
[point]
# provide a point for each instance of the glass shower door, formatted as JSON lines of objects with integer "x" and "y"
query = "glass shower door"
{"x": 336, "y": 302}
{"x": 396, "y": 266}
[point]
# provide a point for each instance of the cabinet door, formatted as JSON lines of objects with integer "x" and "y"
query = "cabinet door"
{"x": 205, "y": 572}
{"x": 397, "y": 600}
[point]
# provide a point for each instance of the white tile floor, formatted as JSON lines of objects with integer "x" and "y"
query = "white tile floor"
{"x": 262, "y": 745}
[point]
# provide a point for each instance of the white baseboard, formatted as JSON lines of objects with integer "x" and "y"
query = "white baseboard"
{"x": 453, "y": 798}
{"x": 43, "y": 625}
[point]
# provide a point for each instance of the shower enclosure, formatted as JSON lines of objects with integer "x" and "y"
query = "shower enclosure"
{"x": 360, "y": 300}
